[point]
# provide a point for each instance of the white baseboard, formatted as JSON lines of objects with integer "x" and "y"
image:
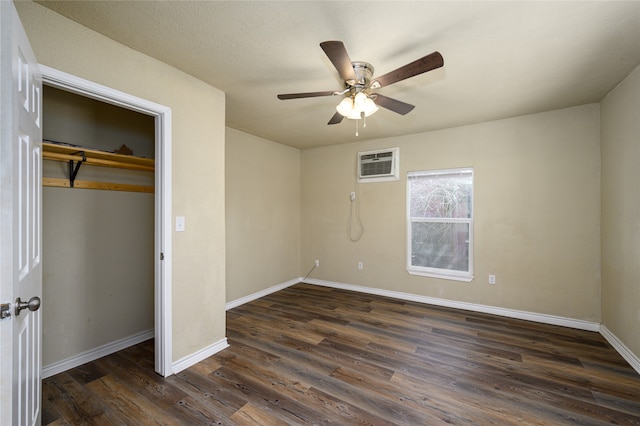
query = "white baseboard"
{"x": 510, "y": 313}
{"x": 617, "y": 344}
{"x": 93, "y": 354}
{"x": 261, "y": 293}
{"x": 198, "y": 356}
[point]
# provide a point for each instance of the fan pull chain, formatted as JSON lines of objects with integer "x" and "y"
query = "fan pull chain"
{"x": 364, "y": 122}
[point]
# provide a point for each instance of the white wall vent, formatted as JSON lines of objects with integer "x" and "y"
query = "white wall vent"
{"x": 380, "y": 165}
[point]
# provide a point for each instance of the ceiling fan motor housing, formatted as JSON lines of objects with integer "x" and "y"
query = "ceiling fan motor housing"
{"x": 364, "y": 73}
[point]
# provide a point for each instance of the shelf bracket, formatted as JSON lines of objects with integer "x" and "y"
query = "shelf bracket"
{"x": 73, "y": 170}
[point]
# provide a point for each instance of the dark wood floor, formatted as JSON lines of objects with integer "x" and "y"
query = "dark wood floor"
{"x": 315, "y": 355}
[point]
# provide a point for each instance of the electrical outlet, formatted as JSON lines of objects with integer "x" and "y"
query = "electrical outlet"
{"x": 360, "y": 265}
{"x": 317, "y": 263}
{"x": 352, "y": 196}
{"x": 492, "y": 279}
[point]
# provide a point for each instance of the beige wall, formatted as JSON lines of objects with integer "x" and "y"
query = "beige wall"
{"x": 537, "y": 213}
{"x": 76, "y": 119}
{"x": 97, "y": 245}
{"x": 198, "y": 255}
{"x": 263, "y": 214}
{"x": 97, "y": 269}
{"x": 621, "y": 211}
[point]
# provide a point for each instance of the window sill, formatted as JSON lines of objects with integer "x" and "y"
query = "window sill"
{"x": 454, "y": 277}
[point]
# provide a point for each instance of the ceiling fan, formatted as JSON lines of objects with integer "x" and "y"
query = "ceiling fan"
{"x": 359, "y": 101}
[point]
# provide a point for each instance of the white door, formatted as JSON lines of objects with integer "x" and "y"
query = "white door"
{"x": 20, "y": 224}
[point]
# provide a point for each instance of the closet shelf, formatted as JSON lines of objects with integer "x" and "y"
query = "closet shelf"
{"x": 52, "y": 151}
{"x": 79, "y": 156}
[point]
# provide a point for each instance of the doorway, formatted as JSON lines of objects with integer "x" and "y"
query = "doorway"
{"x": 161, "y": 261}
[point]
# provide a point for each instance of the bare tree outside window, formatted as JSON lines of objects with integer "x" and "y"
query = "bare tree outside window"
{"x": 440, "y": 222}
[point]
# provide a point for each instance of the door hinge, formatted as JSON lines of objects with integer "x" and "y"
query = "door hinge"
{"x": 5, "y": 310}
{"x": 161, "y": 256}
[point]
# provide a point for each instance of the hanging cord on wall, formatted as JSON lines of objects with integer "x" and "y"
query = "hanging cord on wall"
{"x": 354, "y": 216}
{"x": 354, "y": 210}
{"x": 314, "y": 267}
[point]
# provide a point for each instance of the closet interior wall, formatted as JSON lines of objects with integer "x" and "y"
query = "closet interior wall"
{"x": 98, "y": 274}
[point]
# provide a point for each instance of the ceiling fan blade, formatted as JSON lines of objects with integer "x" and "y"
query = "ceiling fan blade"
{"x": 422, "y": 65}
{"x": 337, "y": 118}
{"x": 393, "y": 104}
{"x": 305, "y": 95}
{"x": 339, "y": 57}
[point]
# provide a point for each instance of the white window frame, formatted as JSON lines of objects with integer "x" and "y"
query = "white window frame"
{"x": 450, "y": 274}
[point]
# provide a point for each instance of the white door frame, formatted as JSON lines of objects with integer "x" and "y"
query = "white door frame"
{"x": 162, "y": 251}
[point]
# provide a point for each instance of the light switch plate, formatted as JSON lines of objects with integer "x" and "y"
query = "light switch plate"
{"x": 180, "y": 223}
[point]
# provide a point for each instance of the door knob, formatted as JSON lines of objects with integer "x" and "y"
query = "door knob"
{"x": 33, "y": 304}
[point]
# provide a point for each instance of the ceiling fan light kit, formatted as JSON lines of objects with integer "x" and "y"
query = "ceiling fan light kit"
{"x": 357, "y": 107}
{"x": 359, "y": 102}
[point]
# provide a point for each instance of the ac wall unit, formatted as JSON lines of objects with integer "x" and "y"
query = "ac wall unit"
{"x": 380, "y": 165}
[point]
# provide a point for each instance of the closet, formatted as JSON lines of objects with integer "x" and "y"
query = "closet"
{"x": 98, "y": 225}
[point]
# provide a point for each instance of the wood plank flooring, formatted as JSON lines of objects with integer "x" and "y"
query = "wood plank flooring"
{"x": 316, "y": 355}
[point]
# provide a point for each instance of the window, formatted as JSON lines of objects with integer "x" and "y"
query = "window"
{"x": 440, "y": 224}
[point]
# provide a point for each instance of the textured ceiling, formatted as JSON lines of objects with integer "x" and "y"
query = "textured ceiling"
{"x": 502, "y": 59}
